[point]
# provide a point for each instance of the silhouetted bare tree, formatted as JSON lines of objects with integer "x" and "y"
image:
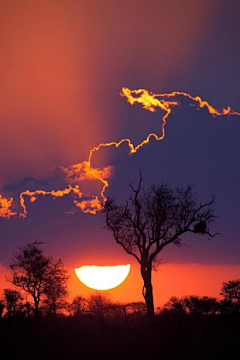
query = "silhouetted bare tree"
{"x": 39, "y": 276}
{"x": 153, "y": 219}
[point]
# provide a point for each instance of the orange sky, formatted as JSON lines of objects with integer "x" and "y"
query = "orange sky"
{"x": 170, "y": 280}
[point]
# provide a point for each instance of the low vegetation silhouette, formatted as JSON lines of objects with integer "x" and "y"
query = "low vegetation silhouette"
{"x": 38, "y": 319}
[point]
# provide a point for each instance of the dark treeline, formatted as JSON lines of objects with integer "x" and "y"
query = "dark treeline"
{"x": 37, "y": 319}
{"x": 97, "y": 328}
{"x": 14, "y": 305}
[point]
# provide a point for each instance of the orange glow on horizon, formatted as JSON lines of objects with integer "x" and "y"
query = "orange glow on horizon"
{"x": 170, "y": 280}
{"x": 102, "y": 277}
{"x": 85, "y": 171}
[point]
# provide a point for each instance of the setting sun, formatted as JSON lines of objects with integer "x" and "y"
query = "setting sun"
{"x": 102, "y": 277}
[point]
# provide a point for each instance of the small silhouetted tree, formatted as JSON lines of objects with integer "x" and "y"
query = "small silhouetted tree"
{"x": 102, "y": 306}
{"x": 34, "y": 273}
{"x": 231, "y": 296}
{"x": 78, "y": 306}
{"x": 175, "y": 306}
{"x": 150, "y": 220}
{"x": 56, "y": 292}
{"x": 193, "y": 305}
{"x": 13, "y": 302}
{"x": 204, "y": 305}
{"x": 136, "y": 308}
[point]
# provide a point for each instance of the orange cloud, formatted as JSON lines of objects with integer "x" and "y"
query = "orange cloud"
{"x": 5, "y": 207}
{"x": 55, "y": 193}
{"x": 84, "y": 171}
{"x": 91, "y": 206}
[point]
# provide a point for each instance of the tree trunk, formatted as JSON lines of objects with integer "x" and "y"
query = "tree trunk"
{"x": 146, "y": 272}
{"x": 36, "y": 310}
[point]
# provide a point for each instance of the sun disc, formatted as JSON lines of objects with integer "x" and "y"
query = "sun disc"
{"x": 102, "y": 277}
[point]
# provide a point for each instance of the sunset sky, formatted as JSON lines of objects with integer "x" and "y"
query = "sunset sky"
{"x": 63, "y": 64}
